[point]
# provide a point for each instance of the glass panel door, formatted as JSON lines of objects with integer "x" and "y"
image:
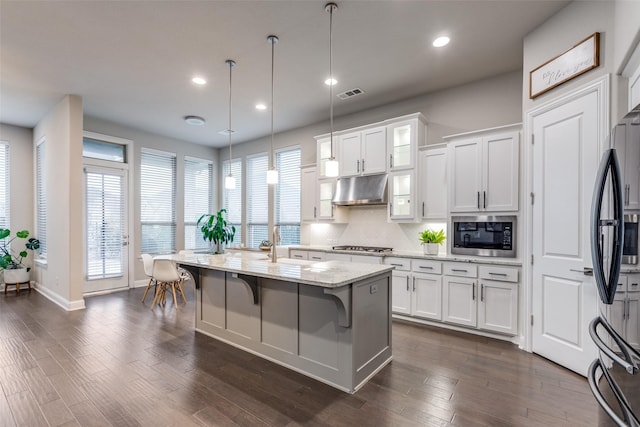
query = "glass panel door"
{"x": 106, "y": 229}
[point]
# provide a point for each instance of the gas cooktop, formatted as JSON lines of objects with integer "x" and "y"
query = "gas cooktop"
{"x": 361, "y": 248}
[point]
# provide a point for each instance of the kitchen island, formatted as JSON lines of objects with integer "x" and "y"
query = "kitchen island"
{"x": 328, "y": 320}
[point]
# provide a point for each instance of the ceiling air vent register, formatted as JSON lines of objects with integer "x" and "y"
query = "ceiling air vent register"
{"x": 350, "y": 93}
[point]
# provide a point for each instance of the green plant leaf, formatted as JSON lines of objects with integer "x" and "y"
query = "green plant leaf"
{"x": 23, "y": 234}
{"x": 4, "y": 233}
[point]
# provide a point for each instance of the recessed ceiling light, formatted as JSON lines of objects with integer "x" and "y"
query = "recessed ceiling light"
{"x": 441, "y": 41}
{"x": 330, "y": 81}
{"x": 199, "y": 80}
{"x": 261, "y": 107}
{"x": 194, "y": 120}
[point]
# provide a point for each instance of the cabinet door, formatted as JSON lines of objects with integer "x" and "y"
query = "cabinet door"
{"x": 632, "y": 167}
{"x": 427, "y": 296}
{"x": 400, "y": 293}
{"x": 402, "y": 144}
{"x": 432, "y": 184}
{"x": 498, "y": 308}
{"x": 316, "y": 256}
{"x": 459, "y": 300}
{"x": 308, "y": 209}
{"x": 323, "y": 154}
{"x": 324, "y": 207}
{"x": 298, "y": 254}
{"x": 501, "y": 172}
{"x": 374, "y": 151}
{"x": 465, "y": 179}
{"x": 349, "y": 149}
{"x": 401, "y": 194}
{"x": 633, "y": 319}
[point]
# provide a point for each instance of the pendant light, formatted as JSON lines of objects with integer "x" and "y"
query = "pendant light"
{"x": 229, "y": 180}
{"x": 331, "y": 166}
{"x": 272, "y": 173}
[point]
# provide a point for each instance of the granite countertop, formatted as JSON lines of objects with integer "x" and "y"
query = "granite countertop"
{"x": 328, "y": 274}
{"x": 416, "y": 255}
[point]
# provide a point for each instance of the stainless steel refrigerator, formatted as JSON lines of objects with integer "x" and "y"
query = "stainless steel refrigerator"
{"x": 614, "y": 376}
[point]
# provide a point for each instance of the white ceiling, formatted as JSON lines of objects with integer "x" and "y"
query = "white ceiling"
{"x": 132, "y": 61}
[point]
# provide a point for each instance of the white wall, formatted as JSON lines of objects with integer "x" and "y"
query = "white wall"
{"x": 61, "y": 278}
{"x": 627, "y": 30}
{"x": 147, "y": 140}
{"x": 21, "y": 175}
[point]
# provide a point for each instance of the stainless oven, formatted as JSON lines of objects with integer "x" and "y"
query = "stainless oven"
{"x": 483, "y": 235}
{"x": 630, "y": 245}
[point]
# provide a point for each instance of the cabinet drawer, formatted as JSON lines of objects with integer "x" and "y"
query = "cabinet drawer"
{"x": 460, "y": 269}
{"x": 426, "y": 266}
{"x": 366, "y": 259}
{"x": 316, "y": 256}
{"x": 633, "y": 282}
{"x": 399, "y": 263}
{"x": 503, "y": 274}
{"x": 298, "y": 254}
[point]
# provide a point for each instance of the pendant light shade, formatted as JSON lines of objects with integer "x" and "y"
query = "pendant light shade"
{"x": 229, "y": 180}
{"x": 332, "y": 168}
{"x": 272, "y": 173}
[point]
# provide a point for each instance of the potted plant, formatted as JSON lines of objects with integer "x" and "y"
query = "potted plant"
{"x": 11, "y": 261}
{"x": 215, "y": 229}
{"x": 431, "y": 240}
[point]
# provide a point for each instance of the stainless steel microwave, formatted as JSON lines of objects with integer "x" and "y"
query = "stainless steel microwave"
{"x": 483, "y": 235}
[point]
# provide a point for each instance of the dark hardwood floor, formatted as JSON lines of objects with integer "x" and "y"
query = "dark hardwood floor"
{"x": 118, "y": 363}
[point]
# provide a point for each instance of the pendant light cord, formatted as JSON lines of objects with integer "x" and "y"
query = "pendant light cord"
{"x": 273, "y": 40}
{"x": 231, "y": 64}
{"x": 331, "y": 7}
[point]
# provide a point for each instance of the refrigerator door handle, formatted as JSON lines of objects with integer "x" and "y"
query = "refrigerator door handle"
{"x": 631, "y": 356}
{"x": 629, "y": 418}
{"x": 606, "y": 284}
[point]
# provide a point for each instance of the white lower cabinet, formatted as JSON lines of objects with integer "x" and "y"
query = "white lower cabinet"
{"x": 498, "y": 307}
{"x": 427, "y": 293}
{"x": 624, "y": 310}
{"x": 459, "y": 300}
{"x": 400, "y": 292}
{"x": 416, "y": 293}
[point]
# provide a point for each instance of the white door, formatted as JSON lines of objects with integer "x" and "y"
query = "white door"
{"x": 350, "y": 154}
{"x": 459, "y": 301}
{"x": 565, "y": 162}
{"x": 500, "y": 172}
{"x": 308, "y": 183}
{"x": 433, "y": 183}
{"x": 465, "y": 179}
{"x": 498, "y": 308}
{"x": 106, "y": 250}
{"x": 400, "y": 293}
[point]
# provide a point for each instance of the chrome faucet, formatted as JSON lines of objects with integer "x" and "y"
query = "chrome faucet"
{"x": 275, "y": 239}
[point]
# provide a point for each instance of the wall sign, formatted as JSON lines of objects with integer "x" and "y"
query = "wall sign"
{"x": 578, "y": 60}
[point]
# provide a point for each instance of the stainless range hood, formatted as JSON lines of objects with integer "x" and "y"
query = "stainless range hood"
{"x": 361, "y": 190}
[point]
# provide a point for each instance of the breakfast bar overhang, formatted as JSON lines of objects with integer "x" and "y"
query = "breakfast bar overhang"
{"x": 328, "y": 320}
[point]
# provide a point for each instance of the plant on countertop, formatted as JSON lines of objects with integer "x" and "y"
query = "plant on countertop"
{"x": 9, "y": 260}
{"x": 215, "y": 229}
{"x": 431, "y": 236}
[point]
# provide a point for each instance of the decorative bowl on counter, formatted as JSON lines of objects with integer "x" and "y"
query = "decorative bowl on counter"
{"x": 265, "y": 245}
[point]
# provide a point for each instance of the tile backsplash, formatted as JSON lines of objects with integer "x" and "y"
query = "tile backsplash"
{"x": 368, "y": 226}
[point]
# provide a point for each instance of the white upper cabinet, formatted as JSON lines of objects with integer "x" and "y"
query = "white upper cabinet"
{"x": 432, "y": 183}
{"x": 484, "y": 171}
{"x": 404, "y": 136}
{"x": 363, "y": 152}
{"x": 316, "y": 198}
{"x": 402, "y": 192}
{"x": 629, "y": 157}
{"x": 308, "y": 208}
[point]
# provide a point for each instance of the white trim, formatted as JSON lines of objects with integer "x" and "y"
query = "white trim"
{"x": 58, "y": 300}
{"x": 601, "y": 86}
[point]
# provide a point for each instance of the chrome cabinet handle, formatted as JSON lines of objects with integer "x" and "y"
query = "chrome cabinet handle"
{"x": 316, "y": 257}
{"x": 414, "y": 284}
{"x": 459, "y": 270}
{"x": 484, "y": 197}
{"x": 425, "y": 267}
{"x": 315, "y": 212}
{"x": 422, "y": 208}
{"x": 498, "y": 274}
{"x": 397, "y": 265}
{"x": 407, "y": 283}
{"x": 473, "y": 291}
{"x": 362, "y": 165}
{"x": 358, "y": 166}
{"x": 481, "y": 292}
{"x": 297, "y": 256}
{"x": 478, "y": 200}
{"x": 390, "y": 160}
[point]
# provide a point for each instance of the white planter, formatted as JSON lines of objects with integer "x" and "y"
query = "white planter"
{"x": 16, "y": 275}
{"x": 430, "y": 248}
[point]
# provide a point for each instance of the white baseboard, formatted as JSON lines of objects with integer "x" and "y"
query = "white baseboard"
{"x": 58, "y": 300}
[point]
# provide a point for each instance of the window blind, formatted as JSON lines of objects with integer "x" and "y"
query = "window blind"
{"x": 287, "y": 195}
{"x": 157, "y": 201}
{"x": 41, "y": 199}
{"x": 232, "y": 199}
{"x": 105, "y": 218}
{"x": 5, "y": 210}
{"x": 257, "y": 200}
{"x": 198, "y": 199}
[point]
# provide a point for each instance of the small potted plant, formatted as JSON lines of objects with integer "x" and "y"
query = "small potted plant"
{"x": 431, "y": 240}
{"x": 215, "y": 229}
{"x": 11, "y": 261}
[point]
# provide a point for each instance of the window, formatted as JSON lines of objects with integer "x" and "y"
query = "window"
{"x": 102, "y": 150}
{"x": 257, "y": 200}
{"x": 198, "y": 200}
{"x": 232, "y": 199}
{"x": 4, "y": 185}
{"x": 157, "y": 201}
{"x": 287, "y": 196}
{"x": 41, "y": 198}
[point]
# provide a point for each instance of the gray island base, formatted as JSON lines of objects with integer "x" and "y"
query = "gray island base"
{"x": 328, "y": 320}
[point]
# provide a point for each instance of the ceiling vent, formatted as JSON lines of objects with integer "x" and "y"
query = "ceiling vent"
{"x": 350, "y": 93}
